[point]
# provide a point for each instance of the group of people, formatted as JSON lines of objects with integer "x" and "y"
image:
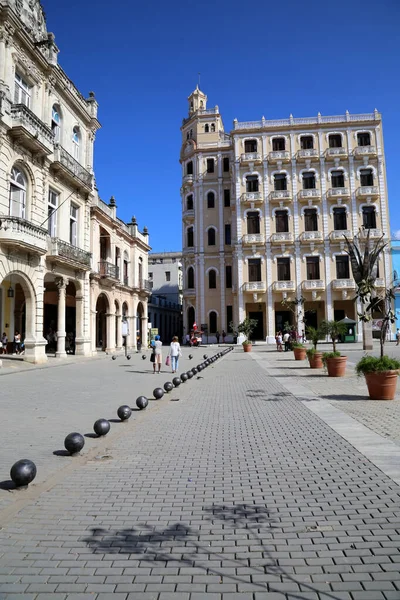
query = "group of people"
{"x": 286, "y": 340}
{"x": 173, "y": 355}
{"x": 18, "y": 345}
{"x": 190, "y": 340}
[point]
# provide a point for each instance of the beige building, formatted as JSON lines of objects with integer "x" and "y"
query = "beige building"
{"x": 264, "y": 212}
{"x": 47, "y": 132}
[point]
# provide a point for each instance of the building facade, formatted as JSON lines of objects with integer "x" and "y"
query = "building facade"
{"x": 165, "y": 304}
{"x": 47, "y": 133}
{"x": 265, "y": 210}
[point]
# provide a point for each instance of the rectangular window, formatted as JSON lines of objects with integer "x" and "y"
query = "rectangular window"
{"x": 312, "y": 267}
{"x": 225, "y": 164}
{"x": 253, "y": 222}
{"x": 22, "y": 91}
{"x": 342, "y": 267}
{"x": 364, "y": 139}
{"x": 335, "y": 141}
{"x": 280, "y": 182}
{"x": 281, "y": 221}
{"x": 337, "y": 179}
{"x": 227, "y": 198}
{"x": 227, "y": 234}
{"x": 366, "y": 177}
{"x": 307, "y": 142}
{"x": 190, "y": 239}
{"x": 150, "y": 275}
{"x": 73, "y": 225}
{"x": 310, "y": 219}
{"x": 229, "y": 317}
{"x": 167, "y": 275}
{"x": 250, "y": 146}
{"x": 252, "y": 183}
{"x": 308, "y": 181}
{"x": 278, "y": 144}
{"x": 369, "y": 217}
{"x": 210, "y": 165}
{"x": 51, "y": 213}
{"x": 339, "y": 219}
{"x": 283, "y": 266}
{"x": 254, "y": 269}
{"x": 228, "y": 276}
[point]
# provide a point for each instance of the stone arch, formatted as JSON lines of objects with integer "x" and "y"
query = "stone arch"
{"x": 25, "y": 303}
{"x": 191, "y": 318}
{"x": 103, "y": 305}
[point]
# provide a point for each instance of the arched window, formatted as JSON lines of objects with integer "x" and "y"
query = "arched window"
{"x": 190, "y": 240}
{"x": 212, "y": 279}
{"x": 187, "y": 135}
{"x": 56, "y": 123}
{"x": 76, "y": 142}
{"x": 206, "y": 128}
{"x": 211, "y": 236}
{"x": 212, "y": 326}
{"x": 189, "y": 202}
{"x": 210, "y": 200}
{"x": 189, "y": 168}
{"x": 126, "y": 268}
{"x": 190, "y": 278}
{"x": 190, "y": 318}
{"x": 212, "y": 127}
{"x": 191, "y": 133}
{"x": 17, "y": 193}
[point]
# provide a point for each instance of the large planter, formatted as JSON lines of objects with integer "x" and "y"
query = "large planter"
{"x": 336, "y": 366}
{"x": 382, "y": 385}
{"x": 247, "y": 347}
{"x": 316, "y": 361}
{"x": 300, "y": 353}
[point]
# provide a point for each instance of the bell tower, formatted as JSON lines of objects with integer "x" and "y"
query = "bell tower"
{"x": 197, "y": 101}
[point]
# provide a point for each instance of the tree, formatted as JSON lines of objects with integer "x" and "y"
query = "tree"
{"x": 293, "y": 306}
{"x": 364, "y": 258}
{"x": 334, "y": 329}
{"x": 247, "y": 327}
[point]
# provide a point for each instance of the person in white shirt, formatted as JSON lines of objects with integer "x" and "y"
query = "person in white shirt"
{"x": 286, "y": 339}
{"x": 158, "y": 354}
{"x": 175, "y": 353}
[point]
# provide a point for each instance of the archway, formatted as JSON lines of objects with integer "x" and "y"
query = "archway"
{"x": 190, "y": 318}
{"x": 139, "y": 335}
{"x": 102, "y": 308}
{"x": 56, "y": 326}
{"x": 117, "y": 324}
{"x": 18, "y": 308}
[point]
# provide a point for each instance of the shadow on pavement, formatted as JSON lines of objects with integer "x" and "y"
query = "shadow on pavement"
{"x": 7, "y": 485}
{"x": 61, "y": 453}
{"x": 345, "y": 397}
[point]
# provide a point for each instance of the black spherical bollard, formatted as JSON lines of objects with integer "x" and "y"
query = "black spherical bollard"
{"x": 23, "y": 472}
{"x": 168, "y": 387}
{"x": 143, "y": 357}
{"x": 101, "y": 427}
{"x": 124, "y": 412}
{"x": 199, "y": 368}
{"x": 128, "y": 357}
{"x": 189, "y": 374}
{"x": 114, "y": 358}
{"x": 158, "y": 393}
{"x": 194, "y": 371}
{"x": 176, "y": 381}
{"x": 142, "y": 402}
{"x": 190, "y": 356}
{"x": 74, "y": 442}
{"x": 184, "y": 377}
{"x": 205, "y": 356}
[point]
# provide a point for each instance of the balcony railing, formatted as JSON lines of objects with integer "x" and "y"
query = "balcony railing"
{"x": 126, "y": 281}
{"x": 312, "y": 194}
{"x": 255, "y": 286}
{"x": 311, "y": 236}
{"x": 23, "y": 234}
{"x": 280, "y": 195}
{"x": 188, "y": 180}
{"x": 145, "y": 285}
{"x": 339, "y": 192}
{"x": 188, "y": 213}
{"x": 70, "y": 253}
{"x": 367, "y": 191}
{"x": 373, "y": 233}
{"x": 252, "y": 197}
{"x": 338, "y": 235}
{"x": 343, "y": 284}
{"x": 247, "y": 157}
{"x": 253, "y": 238}
{"x": 307, "y": 154}
{"x": 108, "y": 270}
{"x": 189, "y": 292}
{"x": 283, "y": 286}
{"x": 71, "y": 167}
{"x": 282, "y": 237}
{"x": 276, "y": 155}
{"x": 335, "y": 152}
{"x": 380, "y": 283}
{"x": 313, "y": 284}
{"x": 361, "y": 151}
{"x": 30, "y": 130}
{"x": 279, "y": 123}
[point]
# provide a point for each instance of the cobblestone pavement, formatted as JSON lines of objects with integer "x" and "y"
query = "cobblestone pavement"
{"x": 237, "y": 490}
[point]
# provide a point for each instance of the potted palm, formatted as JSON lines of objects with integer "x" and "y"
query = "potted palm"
{"x": 247, "y": 327}
{"x": 334, "y": 362}
{"x": 314, "y": 334}
{"x": 299, "y": 351}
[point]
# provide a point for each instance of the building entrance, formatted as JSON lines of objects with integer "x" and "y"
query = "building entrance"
{"x": 258, "y": 333}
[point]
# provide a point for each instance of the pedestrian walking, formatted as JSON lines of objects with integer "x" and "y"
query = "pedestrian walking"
{"x": 157, "y": 354}
{"x": 175, "y": 353}
{"x": 286, "y": 340}
{"x": 217, "y": 336}
{"x": 17, "y": 342}
{"x": 397, "y": 337}
{"x": 4, "y": 343}
{"x": 223, "y": 336}
{"x": 279, "y": 341}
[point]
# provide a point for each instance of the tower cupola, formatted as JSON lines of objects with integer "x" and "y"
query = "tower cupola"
{"x": 197, "y": 101}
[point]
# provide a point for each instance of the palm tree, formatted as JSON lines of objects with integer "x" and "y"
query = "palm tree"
{"x": 364, "y": 266}
{"x": 334, "y": 329}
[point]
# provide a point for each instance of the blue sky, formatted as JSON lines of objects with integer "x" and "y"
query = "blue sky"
{"x": 258, "y": 58}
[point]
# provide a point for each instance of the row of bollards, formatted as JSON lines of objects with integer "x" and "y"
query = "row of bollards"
{"x": 23, "y": 472}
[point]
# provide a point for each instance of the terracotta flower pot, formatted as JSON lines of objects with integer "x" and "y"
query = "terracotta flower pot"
{"x": 382, "y": 386}
{"x": 336, "y": 366}
{"x": 247, "y": 347}
{"x": 300, "y": 353}
{"x": 316, "y": 361}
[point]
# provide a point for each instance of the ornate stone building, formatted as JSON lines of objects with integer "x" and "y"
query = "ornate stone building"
{"x": 264, "y": 212}
{"x": 47, "y": 132}
{"x": 165, "y": 303}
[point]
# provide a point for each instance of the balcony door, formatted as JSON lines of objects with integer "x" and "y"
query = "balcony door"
{"x": 255, "y": 269}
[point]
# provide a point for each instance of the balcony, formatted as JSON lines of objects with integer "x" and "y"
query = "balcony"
{"x": 64, "y": 253}
{"x": 279, "y": 156}
{"x": 255, "y": 286}
{"x": 311, "y": 285}
{"x": 339, "y": 192}
{"x": 126, "y": 281}
{"x": 71, "y": 170}
{"x": 18, "y": 233}
{"x": 367, "y": 191}
{"x": 187, "y": 180}
{"x": 145, "y": 286}
{"x": 188, "y": 214}
{"x": 283, "y": 286}
{"x": 343, "y": 284}
{"x": 373, "y": 233}
{"x": 331, "y": 153}
{"x": 362, "y": 151}
{"x": 108, "y": 270}
{"x": 248, "y": 157}
{"x": 311, "y": 236}
{"x": 188, "y": 250}
{"x": 29, "y": 131}
{"x": 189, "y": 292}
{"x": 280, "y": 196}
{"x": 253, "y": 238}
{"x": 380, "y": 283}
{"x": 308, "y": 154}
{"x": 339, "y": 234}
{"x": 255, "y": 197}
{"x": 306, "y": 195}
{"x": 282, "y": 238}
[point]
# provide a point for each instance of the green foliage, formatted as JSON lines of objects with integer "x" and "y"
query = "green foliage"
{"x": 247, "y": 327}
{"x": 315, "y": 335}
{"x": 246, "y": 343}
{"x": 311, "y": 352}
{"x": 334, "y": 329}
{"x": 372, "y": 364}
{"x": 297, "y": 345}
{"x": 327, "y": 355}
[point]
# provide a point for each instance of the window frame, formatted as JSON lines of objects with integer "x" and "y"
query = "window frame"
{"x": 339, "y": 213}
{"x": 22, "y": 193}
{"x": 210, "y": 199}
{"x": 211, "y": 236}
{"x": 343, "y": 260}
{"x": 52, "y": 217}
{"x": 210, "y": 168}
{"x": 22, "y": 90}
{"x": 73, "y": 224}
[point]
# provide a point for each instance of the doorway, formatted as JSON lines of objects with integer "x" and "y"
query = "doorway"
{"x": 258, "y": 332}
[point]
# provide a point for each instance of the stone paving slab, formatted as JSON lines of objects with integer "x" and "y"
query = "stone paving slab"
{"x": 237, "y": 490}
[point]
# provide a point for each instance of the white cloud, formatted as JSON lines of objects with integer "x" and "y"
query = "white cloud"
{"x": 396, "y": 234}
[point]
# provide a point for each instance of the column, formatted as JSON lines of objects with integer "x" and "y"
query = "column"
{"x": 110, "y": 328}
{"x": 93, "y": 313}
{"x": 62, "y": 287}
{"x": 118, "y": 321}
{"x": 143, "y": 325}
{"x": 79, "y": 320}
